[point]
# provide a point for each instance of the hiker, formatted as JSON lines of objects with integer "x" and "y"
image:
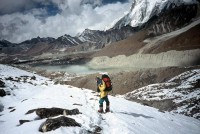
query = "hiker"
{"x": 103, "y": 88}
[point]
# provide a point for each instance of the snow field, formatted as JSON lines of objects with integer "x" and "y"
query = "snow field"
{"x": 126, "y": 117}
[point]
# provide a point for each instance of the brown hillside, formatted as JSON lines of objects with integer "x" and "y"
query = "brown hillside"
{"x": 38, "y": 49}
{"x": 185, "y": 41}
{"x": 127, "y": 46}
{"x": 124, "y": 82}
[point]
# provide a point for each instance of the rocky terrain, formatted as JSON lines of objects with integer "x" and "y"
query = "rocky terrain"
{"x": 180, "y": 94}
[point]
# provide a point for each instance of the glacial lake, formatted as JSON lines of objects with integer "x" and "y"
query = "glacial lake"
{"x": 80, "y": 69}
{"x": 71, "y": 69}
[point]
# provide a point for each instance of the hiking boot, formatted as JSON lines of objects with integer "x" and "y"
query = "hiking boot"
{"x": 107, "y": 109}
{"x": 100, "y": 110}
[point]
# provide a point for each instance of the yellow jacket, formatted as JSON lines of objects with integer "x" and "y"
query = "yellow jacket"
{"x": 101, "y": 88}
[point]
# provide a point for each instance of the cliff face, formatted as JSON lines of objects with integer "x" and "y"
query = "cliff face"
{"x": 172, "y": 18}
{"x": 142, "y": 11}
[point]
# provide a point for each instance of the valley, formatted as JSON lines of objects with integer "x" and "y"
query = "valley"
{"x": 151, "y": 54}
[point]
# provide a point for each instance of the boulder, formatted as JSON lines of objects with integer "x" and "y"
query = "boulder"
{"x": 2, "y": 93}
{"x": 33, "y": 78}
{"x": 31, "y": 111}
{"x": 12, "y": 110}
{"x": 2, "y": 84}
{"x": 9, "y": 78}
{"x": 51, "y": 112}
{"x": 23, "y": 121}
{"x": 71, "y": 112}
{"x": 52, "y": 124}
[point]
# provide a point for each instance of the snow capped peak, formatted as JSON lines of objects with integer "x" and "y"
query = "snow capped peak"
{"x": 66, "y": 37}
{"x": 88, "y": 31}
{"x": 142, "y": 10}
{"x": 86, "y": 35}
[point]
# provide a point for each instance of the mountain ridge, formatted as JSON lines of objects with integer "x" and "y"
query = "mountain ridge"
{"x": 167, "y": 20}
{"x": 143, "y": 10}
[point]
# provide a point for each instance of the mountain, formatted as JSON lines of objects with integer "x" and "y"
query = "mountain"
{"x": 156, "y": 17}
{"x": 67, "y": 40}
{"x": 86, "y": 41}
{"x": 148, "y": 18}
{"x": 5, "y": 43}
{"x": 37, "y": 40}
{"x": 186, "y": 38}
{"x": 34, "y": 104}
{"x": 142, "y": 11}
{"x": 23, "y": 47}
{"x": 102, "y": 38}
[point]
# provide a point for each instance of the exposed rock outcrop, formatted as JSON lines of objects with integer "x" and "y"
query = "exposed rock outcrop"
{"x": 2, "y": 84}
{"x": 52, "y": 124}
{"x": 2, "y": 93}
{"x": 23, "y": 121}
{"x": 173, "y": 18}
{"x": 51, "y": 112}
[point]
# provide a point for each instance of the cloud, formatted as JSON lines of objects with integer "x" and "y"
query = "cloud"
{"x": 72, "y": 17}
{"x": 13, "y": 6}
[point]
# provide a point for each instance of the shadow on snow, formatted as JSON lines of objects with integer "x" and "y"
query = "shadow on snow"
{"x": 135, "y": 115}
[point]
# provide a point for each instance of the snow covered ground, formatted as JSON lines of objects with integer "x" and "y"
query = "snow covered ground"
{"x": 126, "y": 117}
{"x": 183, "y": 90}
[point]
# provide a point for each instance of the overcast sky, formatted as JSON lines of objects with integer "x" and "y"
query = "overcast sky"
{"x": 25, "y": 19}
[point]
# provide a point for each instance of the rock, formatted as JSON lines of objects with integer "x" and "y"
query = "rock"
{"x": 77, "y": 104}
{"x": 2, "y": 93}
{"x": 23, "y": 121}
{"x": 31, "y": 111}
{"x": 51, "y": 112}
{"x": 71, "y": 112}
{"x": 12, "y": 110}
{"x": 24, "y": 100}
{"x": 97, "y": 130}
{"x": 2, "y": 84}
{"x": 52, "y": 124}
{"x": 8, "y": 93}
{"x": 33, "y": 78}
{"x": 10, "y": 78}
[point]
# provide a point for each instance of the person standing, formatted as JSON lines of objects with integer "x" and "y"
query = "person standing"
{"x": 101, "y": 87}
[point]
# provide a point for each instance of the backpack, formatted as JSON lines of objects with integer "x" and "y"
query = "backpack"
{"x": 108, "y": 82}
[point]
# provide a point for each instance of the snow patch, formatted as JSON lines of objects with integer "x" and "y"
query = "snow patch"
{"x": 183, "y": 90}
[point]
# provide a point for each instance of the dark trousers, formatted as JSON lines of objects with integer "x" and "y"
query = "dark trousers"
{"x": 102, "y": 100}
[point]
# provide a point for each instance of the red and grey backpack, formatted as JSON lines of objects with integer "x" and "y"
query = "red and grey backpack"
{"x": 108, "y": 82}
